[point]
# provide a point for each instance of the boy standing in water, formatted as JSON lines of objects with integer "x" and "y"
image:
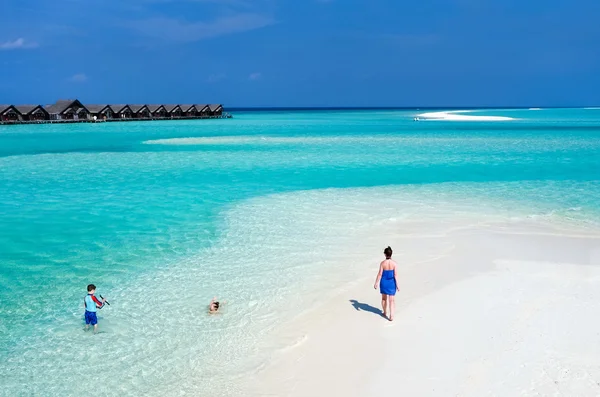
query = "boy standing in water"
{"x": 91, "y": 303}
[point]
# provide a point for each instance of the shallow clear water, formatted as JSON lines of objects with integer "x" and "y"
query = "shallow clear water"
{"x": 243, "y": 209}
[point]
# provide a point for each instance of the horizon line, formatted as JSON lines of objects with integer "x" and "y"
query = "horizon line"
{"x": 259, "y": 108}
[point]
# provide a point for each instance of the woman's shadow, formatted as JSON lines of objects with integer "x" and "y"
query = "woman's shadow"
{"x": 365, "y": 307}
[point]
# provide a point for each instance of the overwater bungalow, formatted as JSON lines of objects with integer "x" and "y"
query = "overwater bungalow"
{"x": 203, "y": 110}
{"x": 157, "y": 111}
{"x": 32, "y": 112}
{"x": 101, "y": 112}
{"x": 68, "y": 109}
{"x": 72, "y": 110}
{"x": 122, "y": 111}
{"x": 9, "y": 113}
{"x": 174, "y": 111}
{"x": 140, "y": 111}
{"x": 189, "y": 110}
{"x": 216, "y": 110}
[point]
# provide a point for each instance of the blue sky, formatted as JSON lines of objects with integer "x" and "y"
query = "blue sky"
{"x": 302, "y": 52}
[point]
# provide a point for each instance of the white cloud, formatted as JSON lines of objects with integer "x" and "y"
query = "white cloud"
{"x": 17, "y": 44}
{"x": 177, "y": 30}
{"x": 255, "y": 76}
{"x": 78, "y": 78}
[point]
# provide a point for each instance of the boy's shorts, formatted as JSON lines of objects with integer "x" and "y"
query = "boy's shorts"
{"x": 90, "y": 318}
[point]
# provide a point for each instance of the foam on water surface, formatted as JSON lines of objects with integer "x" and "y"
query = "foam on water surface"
{"x": 458, "y": 115}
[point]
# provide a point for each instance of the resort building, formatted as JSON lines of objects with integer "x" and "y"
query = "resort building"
{"x": 203, "y": 110}
{"x": 174, "y": 111}
{"x": 140, "y": 111}
{"x": 67, "y": 110}
{"x": 215, "y": 110}
{"x": 9, "y": 113}
{"x": 189, "y": 110}
{"x": 72, "y": 110}
{"x": 158, "y": 111}
{"x": 32, "y": 112}
{"x": 122, "y": 111}
{"x": 101, "y": 112}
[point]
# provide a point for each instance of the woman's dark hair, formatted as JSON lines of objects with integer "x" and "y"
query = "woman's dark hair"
{"x": 216, "y": 305}
{"x": 388, "y": 252}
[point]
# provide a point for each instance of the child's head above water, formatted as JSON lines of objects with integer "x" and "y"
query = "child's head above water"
{"x": 214, "y": 305}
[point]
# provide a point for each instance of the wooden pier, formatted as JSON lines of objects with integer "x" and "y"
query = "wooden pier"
{"x": 19, "y": 122}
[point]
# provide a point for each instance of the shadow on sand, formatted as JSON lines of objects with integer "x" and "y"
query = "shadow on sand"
{"x": 364, "y": 307}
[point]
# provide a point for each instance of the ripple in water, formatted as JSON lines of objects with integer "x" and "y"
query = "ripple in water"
{"x": 278, "y": 256}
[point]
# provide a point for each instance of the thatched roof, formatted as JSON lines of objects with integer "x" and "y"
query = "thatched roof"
{"x": 155, "y": 108}
{"x": 5, "y": 108}
{"x": 63, "y": 105}
{"x": 27, "y": 109}
{"x": 120, "y": 108}
{"x": 138, "y": 108}
{"x": 171, "y": 108}
{"x": 187, "y": 108}
{"x": 98, "y": 108}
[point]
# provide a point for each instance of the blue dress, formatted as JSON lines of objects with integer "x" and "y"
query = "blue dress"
{"x": 387, "y": 285}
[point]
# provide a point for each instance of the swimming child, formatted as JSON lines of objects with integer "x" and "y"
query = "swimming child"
{"x": 91, "y": 303}
{"x": 214, "y": 305}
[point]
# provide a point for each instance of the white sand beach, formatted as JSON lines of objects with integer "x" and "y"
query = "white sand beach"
{"x": 504, "y": 310}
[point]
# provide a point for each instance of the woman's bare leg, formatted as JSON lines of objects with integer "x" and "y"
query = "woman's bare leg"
{"x": 384, "y": 304}
{"x": 392, "y": 304}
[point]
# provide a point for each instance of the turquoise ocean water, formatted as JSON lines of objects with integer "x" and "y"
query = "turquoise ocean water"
{"x": 161, "y": 216}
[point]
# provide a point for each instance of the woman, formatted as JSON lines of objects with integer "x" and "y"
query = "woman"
{"x": 388, "y": 285}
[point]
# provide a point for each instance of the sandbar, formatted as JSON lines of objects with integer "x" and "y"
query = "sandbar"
{"x": 505, "y": 311}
